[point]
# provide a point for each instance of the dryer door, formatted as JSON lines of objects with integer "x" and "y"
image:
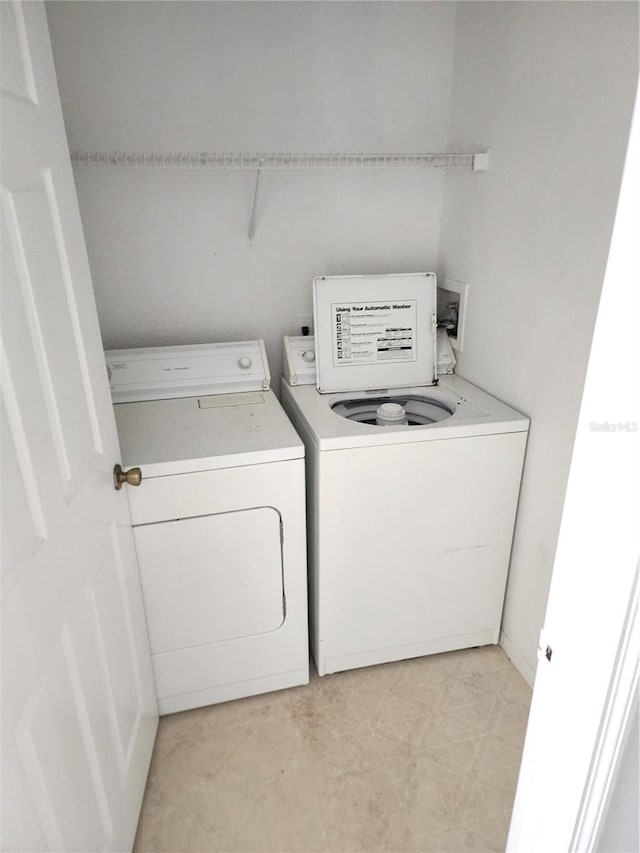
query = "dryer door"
{"x": 212, "y": 578}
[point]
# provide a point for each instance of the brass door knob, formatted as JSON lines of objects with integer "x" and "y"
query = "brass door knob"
{"x": 133, "y": 477}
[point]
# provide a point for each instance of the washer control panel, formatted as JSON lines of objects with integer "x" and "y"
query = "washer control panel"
{"x": 162, "y": 373}
{"x": 299, "y": 363}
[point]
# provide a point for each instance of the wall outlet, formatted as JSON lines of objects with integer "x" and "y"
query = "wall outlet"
{"x": 304, "y": 321}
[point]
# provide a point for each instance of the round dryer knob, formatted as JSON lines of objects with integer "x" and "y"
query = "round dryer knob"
{"x": 244, "y": 362}
{"x": 309, "y": 355}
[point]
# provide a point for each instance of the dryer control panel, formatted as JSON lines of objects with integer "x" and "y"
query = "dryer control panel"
{"x": 164, "y": 373}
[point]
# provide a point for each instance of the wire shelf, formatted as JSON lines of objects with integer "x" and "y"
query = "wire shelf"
{"x": 226, "y": 160}
{"x": 203, "y": 160}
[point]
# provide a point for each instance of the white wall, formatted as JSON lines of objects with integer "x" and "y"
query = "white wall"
{"x": 584, "y": 690}
{"x": 168, "y": 250}
{"x": 549, "y": 88}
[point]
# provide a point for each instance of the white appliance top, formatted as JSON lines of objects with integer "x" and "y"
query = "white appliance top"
{"x": 162, "y": 373}
{"x": 475, "y": 413}
{"x": 300, "y": 360}
{"x": 374, "y": 331}
{"x": 189, "y": 434}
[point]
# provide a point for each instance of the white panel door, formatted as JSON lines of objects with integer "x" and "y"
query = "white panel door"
{"x": 79, "y": 712}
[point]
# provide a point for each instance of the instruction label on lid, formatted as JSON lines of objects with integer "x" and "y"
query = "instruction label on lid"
{"x": 386, "y": 325}
{"x": 374, "y": 332}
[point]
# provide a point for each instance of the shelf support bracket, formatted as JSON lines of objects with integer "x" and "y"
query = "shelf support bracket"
{"x": 254, "y": 206}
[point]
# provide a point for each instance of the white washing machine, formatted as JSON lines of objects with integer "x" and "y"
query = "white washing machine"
{"x": 412, "y": 486}
{"x": 218, "y": 520}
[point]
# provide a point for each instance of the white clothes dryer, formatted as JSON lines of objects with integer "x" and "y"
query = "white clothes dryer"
{"x": 218, "y": 520}
{"x": 412, "y": 486}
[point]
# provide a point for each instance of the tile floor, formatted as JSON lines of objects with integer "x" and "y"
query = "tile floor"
{"x": 420, "y": 755}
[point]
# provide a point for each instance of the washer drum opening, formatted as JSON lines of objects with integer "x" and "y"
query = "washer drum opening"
{"x": 418, "y": 410}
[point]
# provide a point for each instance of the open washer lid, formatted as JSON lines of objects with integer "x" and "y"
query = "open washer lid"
{"x": 374, "y": 331}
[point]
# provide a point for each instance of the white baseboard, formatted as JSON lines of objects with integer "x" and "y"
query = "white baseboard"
{"x": 524, "y": 666}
